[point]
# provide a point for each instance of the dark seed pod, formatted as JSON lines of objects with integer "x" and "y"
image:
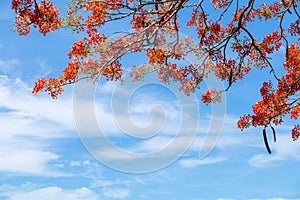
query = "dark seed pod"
{"x": 230, "y": 77}
{"x": 266, "y": 141}
{"x": 274, "y": 133}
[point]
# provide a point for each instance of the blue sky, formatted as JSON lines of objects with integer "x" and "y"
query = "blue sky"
{"x": 43, "y": 157}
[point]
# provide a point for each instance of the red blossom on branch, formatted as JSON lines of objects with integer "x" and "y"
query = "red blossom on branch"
{"x": 227, "y": 48}
{"x": 42, "y": 15}
{"x": 211, "y": 96}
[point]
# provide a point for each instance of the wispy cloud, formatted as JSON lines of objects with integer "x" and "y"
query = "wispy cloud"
{"x": 26, "y": 122}
{"x": 46, "y": 193}
{"x": 283, "y": 149}
{"x": 148, "y": 113}
{"x": 116, "y": 193}
{"x": 16, "y": 95}
{"x": 194, "y": 162}
{"x": 19, "y": 158}
{"x": 9, "y": 64}
{"x": 43, "y": 67}
{"x": 263, "y": 160}
{"x": 30, "y": 114}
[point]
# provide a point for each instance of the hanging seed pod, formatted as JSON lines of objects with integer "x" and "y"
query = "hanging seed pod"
{"x": 266, "y": 141}
{"x": 274, "y": 133}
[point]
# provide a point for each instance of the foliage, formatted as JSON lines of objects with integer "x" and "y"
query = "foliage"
{"x": 152, "y": 21}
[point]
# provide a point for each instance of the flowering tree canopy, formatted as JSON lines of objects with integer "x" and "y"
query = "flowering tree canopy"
{"x": 227, "y": 44}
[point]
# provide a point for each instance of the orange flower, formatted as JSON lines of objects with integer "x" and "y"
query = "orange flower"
{"x": 39, "y": 85}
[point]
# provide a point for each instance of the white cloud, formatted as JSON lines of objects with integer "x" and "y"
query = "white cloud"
{"x": 262, "y": 160}
{"x": 51, "y": 193}
{"x": 194, "y": 162}
{"x": 25, "y": 123}
{"x": 8, "y": 65}
{"x": 19, "y": 158}
{"x": 107, "y": 185}
{"x": 75, "y": 163}
{"x": 113, "y": 154}
{"x": 43, "y": 67}
{"x": 29, "y": 115}
{"x": 154, "y": 144}
{"x": 283, "y": 149}
{"x": 24, "y": 155}
{"x": 146, "y": 113}
{"x": 163, "y": 141}
{"x": 140, "y": 124}
{"x": 116, "y": 193}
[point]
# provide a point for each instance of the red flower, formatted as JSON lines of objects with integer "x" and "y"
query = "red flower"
{"x": 39, "y": 85}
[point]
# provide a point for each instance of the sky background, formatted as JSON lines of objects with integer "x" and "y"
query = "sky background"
{"x": 43, "y": 157}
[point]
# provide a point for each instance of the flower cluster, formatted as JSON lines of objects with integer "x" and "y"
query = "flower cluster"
{"x": 219, "y": 3}
{"x": 97, "y": 8}
{"x": 53, "y": 86}
{"x": 114, "y": 72}
{"x": 156, "y": 56}
{"x": 42, "y": 15}
{"x": 276, "y": 103}
{"x": 70, "y": 73}
{"x": 296, "y": 132}
{"x": 211, "y": 96}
